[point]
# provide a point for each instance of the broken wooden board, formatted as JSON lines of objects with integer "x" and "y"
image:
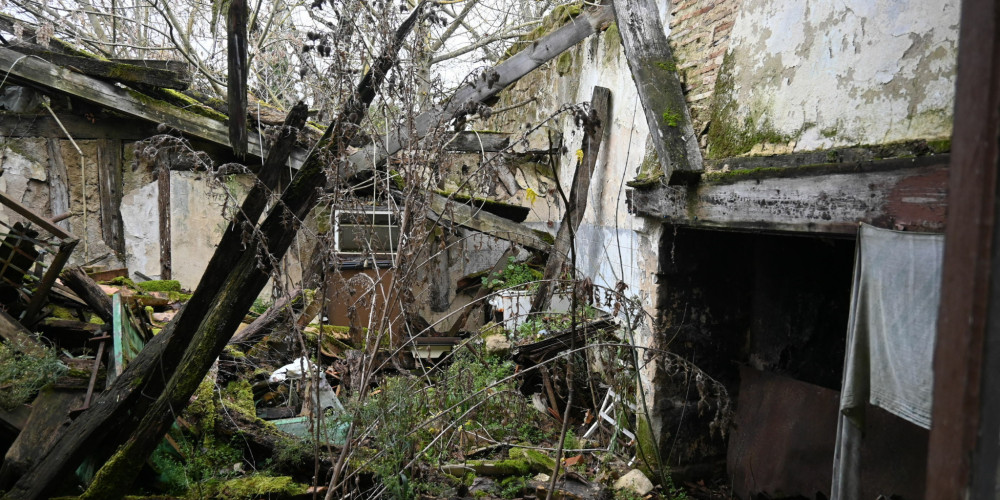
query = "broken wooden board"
{"x": 129, "y": 102}
{"x": 909, "y": 193}
{"x": 576, "y": 206}
{"x": 446, "y": 210}
{"x": 112, "y": 70}
{"x": 18, "y": 337}
{"x": 127, "y": 338}
{"x": 487, "y": 85}
{"x": 655, "y": 73}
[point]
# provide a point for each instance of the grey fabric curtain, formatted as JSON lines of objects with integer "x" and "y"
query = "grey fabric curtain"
{"x": 890, "y": 339}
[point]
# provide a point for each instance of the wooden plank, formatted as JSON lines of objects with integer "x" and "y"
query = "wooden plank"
{"x": 112, "y": 70}
{"x": 576, "y": 206}
{"x": 487, "y": 85}
{"x": 30, "y": 125}
{"x": 58, "y": 182}
{"x": 89, "y": 291}
{"x": 965, "y": 421}
{"x": 904, "y": 193}
{"x": 163, "y": 204}
{"x": 129, "y": 102}
{"x": 236, "y": 83}
{"x": 42, "y": 222}
{"x": 655, "y": 73}
{"x": 109, "y": 178}
{"x": 445, "y": 211}
{"x": 19, "y": 337}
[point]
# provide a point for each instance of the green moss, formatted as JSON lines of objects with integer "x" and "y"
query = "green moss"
{"x": 397, "y": 179}
{"x": 559, "y": 16}
{"x": 234, "y": 352}
{"x": 511, "y": 467}
{"x": 671, "y": 118}
{"x": 60, "y": 312}
{"x": 189, "y": 105}
{"x": 160, "y": 286}
{"x": 192, "y": 105}
{"x": 565, "y": 62}
{"x": 256, "y": 486}
{"x": 537, "y": 460}
{"x": 546, "y": 237}
{"x": 179, "y": 296}
{"x": 730, "y": 135}
{"x": 612, "y": 39}
{"x": 670, "y": 66}
{"x": 650, "y": 172}
{"x": 939, "y": 145}
{"x": 238, "y": 396}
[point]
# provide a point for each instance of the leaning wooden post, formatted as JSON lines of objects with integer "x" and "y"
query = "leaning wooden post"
{"x": 600, "y": 107}
{"x": 655, "y": 73}
{"x": 236, "y": 83}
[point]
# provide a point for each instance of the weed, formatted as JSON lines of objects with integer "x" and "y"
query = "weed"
{"x": 513, "y": 275}
{"x": 23, "y": 375}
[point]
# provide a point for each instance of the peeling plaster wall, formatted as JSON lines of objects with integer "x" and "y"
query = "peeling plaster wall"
{"x": 197, "y": 221}
{"x": 809, "y": 75}
{"x": 612, "y": 243}
{"x": 26, "y": 177}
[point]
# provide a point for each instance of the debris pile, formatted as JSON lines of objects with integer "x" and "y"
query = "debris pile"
{"x": 294, "y": 411}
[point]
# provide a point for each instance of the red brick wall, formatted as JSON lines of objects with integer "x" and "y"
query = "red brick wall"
{"x": 699, "y": 35}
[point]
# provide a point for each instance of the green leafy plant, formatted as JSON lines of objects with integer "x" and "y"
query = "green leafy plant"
{"x": 513, "y": 275}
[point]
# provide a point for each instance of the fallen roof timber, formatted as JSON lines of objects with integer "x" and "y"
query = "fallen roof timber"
{"x": 900, "y": 193}
{"x": 125, "y": 72}
{"x": 51, "y": 76}
{"x": 471, "y": 217}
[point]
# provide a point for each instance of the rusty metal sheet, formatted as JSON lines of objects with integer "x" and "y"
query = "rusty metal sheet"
{"x": 784, "y": 440}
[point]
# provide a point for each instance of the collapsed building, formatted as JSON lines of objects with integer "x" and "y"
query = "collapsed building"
{"x": 744, "y": 142}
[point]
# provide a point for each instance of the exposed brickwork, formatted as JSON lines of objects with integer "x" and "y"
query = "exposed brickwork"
{"x": 699, "y": 35}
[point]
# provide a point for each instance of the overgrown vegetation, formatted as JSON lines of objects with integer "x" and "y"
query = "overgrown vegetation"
{"x": 22, "y": 375}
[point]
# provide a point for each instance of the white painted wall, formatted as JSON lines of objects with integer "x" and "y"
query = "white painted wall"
{"x": 845, "y": 73}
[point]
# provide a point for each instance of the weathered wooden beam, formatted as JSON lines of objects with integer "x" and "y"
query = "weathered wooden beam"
{"x": 89, "y": 291}
{"x": 163, "y": 205}
{"x": 576, "y": 206}
{"x": 487, "y": 85}
{"x": 109, "y": 179}
{"x": 58, "y": 182}
{"x": 30, "y": 125}
{"x": 655, "y": 73}
{"x": 19, "y": 337}
{"x": 962, "y": 459}
{"x": 445, "y": 211}
{"x": 111, "y": 70}
{"x": 236, "y": 83}
{"x": 129, "y": 102}
{"x": 906, "y": 193}
{"x": 161, "y": 379}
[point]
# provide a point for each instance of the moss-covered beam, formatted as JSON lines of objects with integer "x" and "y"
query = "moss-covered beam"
{"x": 118, "y": 71}
{"x": 129, "y": 102}
{"x": 449, "y": 211}
{"x": 655, "y": 73}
